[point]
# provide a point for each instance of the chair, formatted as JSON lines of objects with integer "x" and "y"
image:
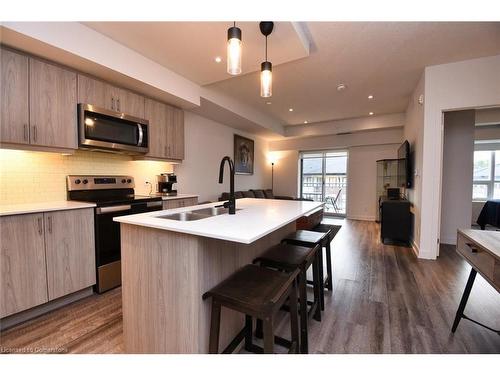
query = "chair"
{"x": 333, "y": 201}
{"x": 259, "y": 293}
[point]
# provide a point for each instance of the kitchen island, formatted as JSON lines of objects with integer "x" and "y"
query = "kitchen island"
{"x": 168, "y": 263}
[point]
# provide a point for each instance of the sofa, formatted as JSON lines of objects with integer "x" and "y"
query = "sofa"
{"x": 258, "y": 193}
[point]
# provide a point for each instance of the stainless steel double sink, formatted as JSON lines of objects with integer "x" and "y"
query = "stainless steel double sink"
{"x": 199, "y": 214}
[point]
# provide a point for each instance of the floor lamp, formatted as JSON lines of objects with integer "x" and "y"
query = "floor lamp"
{"x": 272, "y": 176}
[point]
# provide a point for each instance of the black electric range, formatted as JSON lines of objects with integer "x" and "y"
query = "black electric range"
{"x": 114, "y": 196}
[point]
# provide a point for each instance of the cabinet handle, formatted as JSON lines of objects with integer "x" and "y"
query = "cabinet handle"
{"x": 473, "y": 249}
{"x": 50, "y": 224}
{"x": 26, "y": 132}
{"x": 40, "y": 229}
{"x": 118, "y": 104}
{"x": 35, "y": 134}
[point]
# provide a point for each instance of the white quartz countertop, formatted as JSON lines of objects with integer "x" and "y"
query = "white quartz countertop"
{"x": 178, "y": 196}
{"x": 31, "y": 208}
{"x": 254, "y": 219}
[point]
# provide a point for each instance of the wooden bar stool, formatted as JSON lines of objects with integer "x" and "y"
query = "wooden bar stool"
{"x": 289, "y": 258}
{"x": 258, "y": 293}
{"x": 331, "y": 231}
{"x": 311, "y": 239}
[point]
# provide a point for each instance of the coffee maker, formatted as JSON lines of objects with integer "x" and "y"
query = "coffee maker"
{"x": 165, "y": 182}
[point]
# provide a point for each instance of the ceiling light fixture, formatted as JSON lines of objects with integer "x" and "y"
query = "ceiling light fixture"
{"x": 305, "y": 122}
{"x": 234, "y": 50}
{"x": 290, "y": 109}
{"x": 266, "y": 68}
{"x": 341, "y": 87}
{"x": 218, "y": 59}
{"x": 370, "y": 97}
{"x": 371, "y": 113}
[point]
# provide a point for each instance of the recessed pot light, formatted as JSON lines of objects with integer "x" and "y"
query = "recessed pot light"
{"x": 341, "y": 86}
{"x": 290, "y": 109}
{"x": 371, "y": 113}
{"x": 370, "y": 97}
{"x": 269, "y": 103}
{"x": 305, "y": 122}
{"x": 218, "y": 59}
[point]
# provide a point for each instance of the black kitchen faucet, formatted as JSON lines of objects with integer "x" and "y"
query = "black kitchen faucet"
{"x": 231, "y": 203}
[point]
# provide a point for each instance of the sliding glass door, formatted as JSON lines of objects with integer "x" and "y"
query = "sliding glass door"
{"x": 323, "y": 178}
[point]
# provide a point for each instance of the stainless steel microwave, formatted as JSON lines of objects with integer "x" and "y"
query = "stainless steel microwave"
{"x": 105, "y": 130}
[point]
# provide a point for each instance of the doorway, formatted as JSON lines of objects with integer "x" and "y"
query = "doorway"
{"x": 323, "y": 178}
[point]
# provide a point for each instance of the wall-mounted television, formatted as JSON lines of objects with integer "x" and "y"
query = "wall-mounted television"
{"x": 404, "y": 166}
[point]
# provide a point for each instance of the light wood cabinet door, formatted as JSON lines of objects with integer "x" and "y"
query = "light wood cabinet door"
{"x": 158, "y": 116}
{"x": 92, "y": 91}
{"x": 130, "y": 103}
{"x": 177, "y": 203}
{"x": 23, "y": 272}
{"x": 177, "y": 134}
{"x": 69, "y": 240}
{"x": 14, "y": 115}
{"x": 52, "y": 105}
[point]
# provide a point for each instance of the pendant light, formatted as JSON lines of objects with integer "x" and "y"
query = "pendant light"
{"x": 234, "y": 50}
{"x": 266, "y": 68}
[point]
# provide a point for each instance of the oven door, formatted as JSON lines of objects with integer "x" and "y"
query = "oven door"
{"x": 113, "y": 131}
{"x": 107, "y": 240}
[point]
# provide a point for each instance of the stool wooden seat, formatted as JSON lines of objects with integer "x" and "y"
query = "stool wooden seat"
{"x": 258, "y": 293}
{"x": 290, "y": 258}
{"x": 331, "y": 231}
{"x": 308, "y": 238}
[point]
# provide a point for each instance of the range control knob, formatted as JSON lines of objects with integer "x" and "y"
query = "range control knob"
{"x": 129, "y": 180}
{"x": 124, "y": 181}
{"x": 77, "y": 181}
{"x": 85, "y": 181}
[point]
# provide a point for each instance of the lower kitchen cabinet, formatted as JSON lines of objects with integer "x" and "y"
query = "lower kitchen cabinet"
{"x": 181, "y": 202}
{"x": 45, "y": 256}
{"x": 24, "y": 277}
{"x": 69, "y": 243}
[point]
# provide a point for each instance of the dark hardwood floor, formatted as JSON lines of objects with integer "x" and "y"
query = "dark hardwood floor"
{"x": 385, "y": 300}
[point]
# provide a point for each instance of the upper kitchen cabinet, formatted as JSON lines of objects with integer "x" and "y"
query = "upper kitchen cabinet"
{"x": 93, "y": 91}
{"x": 14, "y": 115}
{"x": 166, "y": 131}
{"x": 158, "y": 116}
{"x": 101, "y": 94}
{"x": 176, "y": 134}
{"x": 52, "y": 97}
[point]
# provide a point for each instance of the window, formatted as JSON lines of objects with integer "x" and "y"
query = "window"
{"x": 324, "y": 179}
{"x": 486, "y": 178}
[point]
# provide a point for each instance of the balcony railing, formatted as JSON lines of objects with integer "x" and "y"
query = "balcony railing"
{"x": 335, "y": 192}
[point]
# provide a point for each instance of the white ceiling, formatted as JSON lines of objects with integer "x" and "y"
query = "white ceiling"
{"x": 190, "y": 48}
{"x": 380, "y": 58}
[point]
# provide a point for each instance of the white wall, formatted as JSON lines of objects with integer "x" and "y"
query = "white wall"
{"x": 462, "y": 85}
{"x": 458, "y": 152}
{"x": 362, "y": 179}
{"x": 413, "y": 132}
{"x": 364, "y": 149}
{"x": 286, "y": 173}
{"x": 207, "y": 142}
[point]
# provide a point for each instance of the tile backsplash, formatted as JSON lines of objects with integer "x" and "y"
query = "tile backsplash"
{"x": 29, "y": 176}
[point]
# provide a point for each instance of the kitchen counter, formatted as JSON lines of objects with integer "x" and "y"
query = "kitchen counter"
{"x": 254, "y": 219}
{"x": 167, "y": 265}
{"x": 173, "y": 197}
{"x": 31, "y": 208}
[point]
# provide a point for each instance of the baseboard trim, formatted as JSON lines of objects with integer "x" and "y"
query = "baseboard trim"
{"x": 448, "y": 240}
{"x": 361, "y": 217}
{"x": 23, "y": 316}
